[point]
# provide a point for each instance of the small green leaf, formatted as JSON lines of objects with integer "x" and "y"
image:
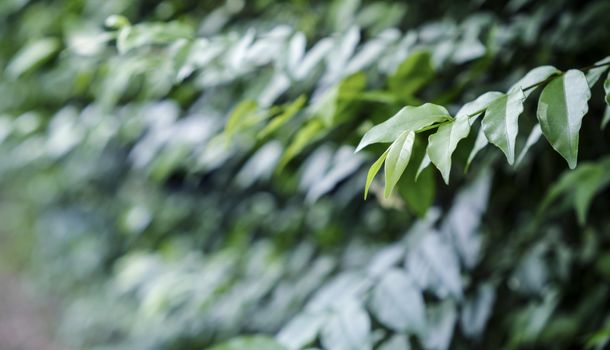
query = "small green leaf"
{"x": 373, "y": 171}
{"x": 397, "y": 160}
{"x": 425, "y": 162}
{"x": 606, "y": 117}
{"x": 408, "y": 118}
{"x": 289, "y": 111}
{"x": 607, "y": 89}
{"x": 412, "y": 74}
{"x": 443, "y": 143}
{"x": 580, "y": 187}
{"x": 239, "y": 117}
{"x": 535, "y": 76}
{"x": 594, "y": 74}
{"x": 562, "y": 105}
{"x": 501, "y": 122}
{"x": 533, "y": 137}
{"x": 329, "y": 107}
{"x": 305, "y": 136}
{"x": 32, "y": 56}
{"x": 480, "y": 143}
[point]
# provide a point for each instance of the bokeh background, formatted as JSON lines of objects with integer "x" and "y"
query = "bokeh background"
{"x": 181, "y": 175}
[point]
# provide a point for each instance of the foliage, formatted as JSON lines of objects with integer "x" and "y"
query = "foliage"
{"x": 190, "y": 174}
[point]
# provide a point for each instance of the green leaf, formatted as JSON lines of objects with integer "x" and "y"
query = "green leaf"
{"x": 32, "y": 55}
{"x": 289, "y": 111}
{"x": 562, "y": 105}
{"x": 443, "y": 143}
{"x": 398, "y": 303}
{"x": 501, "y": 122}
{"x": 305, "y": 136}
{"x": 373, "y": 171}
{"x": 329, "y": 107}
{"x": 131, "y": 37}
{"x": 249, "y": 343}
{"x": 607, "y": 89}
{"x": 301, "y": 330}
{"x": 397, "y": 160}
{"x": 412, "y": 74}
{"x": 533, "y": 137}
{"x": 606, "y": 118}
{"x": 240, "y": 117}
{"x": 347, "y": 328}
{"x": 418, "y": 192}
{"x": 425, "y": 162}
{"x": 535, "y": 76}
{"x": 408, "y": 118}
{"x": 594, "y": 74}
{"x": 580, "y": 186}
{"x": 480, "y": 143}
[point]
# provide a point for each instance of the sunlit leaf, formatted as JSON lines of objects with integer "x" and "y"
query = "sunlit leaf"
{"x": 289, "y": 111}
{"x": 562, "y": 105}
{"x": 594, "y": 74}
{"x": 32, "y": 55}
{"x": 533, "y": 137}
{"x": 535, "y": 76}
{"x": 408, "y": 118}
{"x": 501, "y": 122}
{"x": 373, "y": 171}
{"x": 397, "y": 160}
{"x": 249, "y": 343}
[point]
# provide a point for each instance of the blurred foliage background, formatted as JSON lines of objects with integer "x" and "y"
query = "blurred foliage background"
{"x": 181, "y": 175}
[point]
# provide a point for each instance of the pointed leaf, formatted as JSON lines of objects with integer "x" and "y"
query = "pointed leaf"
{"x": 398, "y": 303}
{"x": 607, "y": 89}
{"x": 425, "y": 162}
{"x": 594, "y": 74}
{"x": 408, "y": 118}
{"x": 535, "y": 76}
{"x": 501, "y": 122}
{"x": 398, "y": 157}
{"x": 289, "y": 111}
{"x": 562, "y": 105}
{"x": 531, "y": 140}
{"x": 479, "y": 144}
{"x": 373, "y": 171}
{"x": 606, "y": 117}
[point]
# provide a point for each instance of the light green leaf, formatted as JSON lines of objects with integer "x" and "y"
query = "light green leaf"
{"x": 132, "y": 37}
{"x": 607, "y": 89}
{"x": 289, "y": 111}
{"x": 408, "y": 118}
{"x": 533, "y": 137}
{"x": 32, "y": 55}
{"x": 425, "y": 162}
{"x": 606, "y": 117}
{"x": 373, "y": 171}
{"x": 411, "y": 75}
{"x": 239, "y": 117}
{"x": 501, "y": 122}
{"x": 249, "y": 343}
{"x": 480, "y": 143}
{"x": 562, "y": 105}
{"x": 398, "y": 303}
{"x": 535, "y": 76}
{"x": 594, "y": 74}
{"x": 329, "y": 107}
{"x": 478, "y": 105}
{"x": 305, "y": 136}
{"x": 580, "y": 187}
{"x": 397, "y": 160}
{"x": 443, "y": 143}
